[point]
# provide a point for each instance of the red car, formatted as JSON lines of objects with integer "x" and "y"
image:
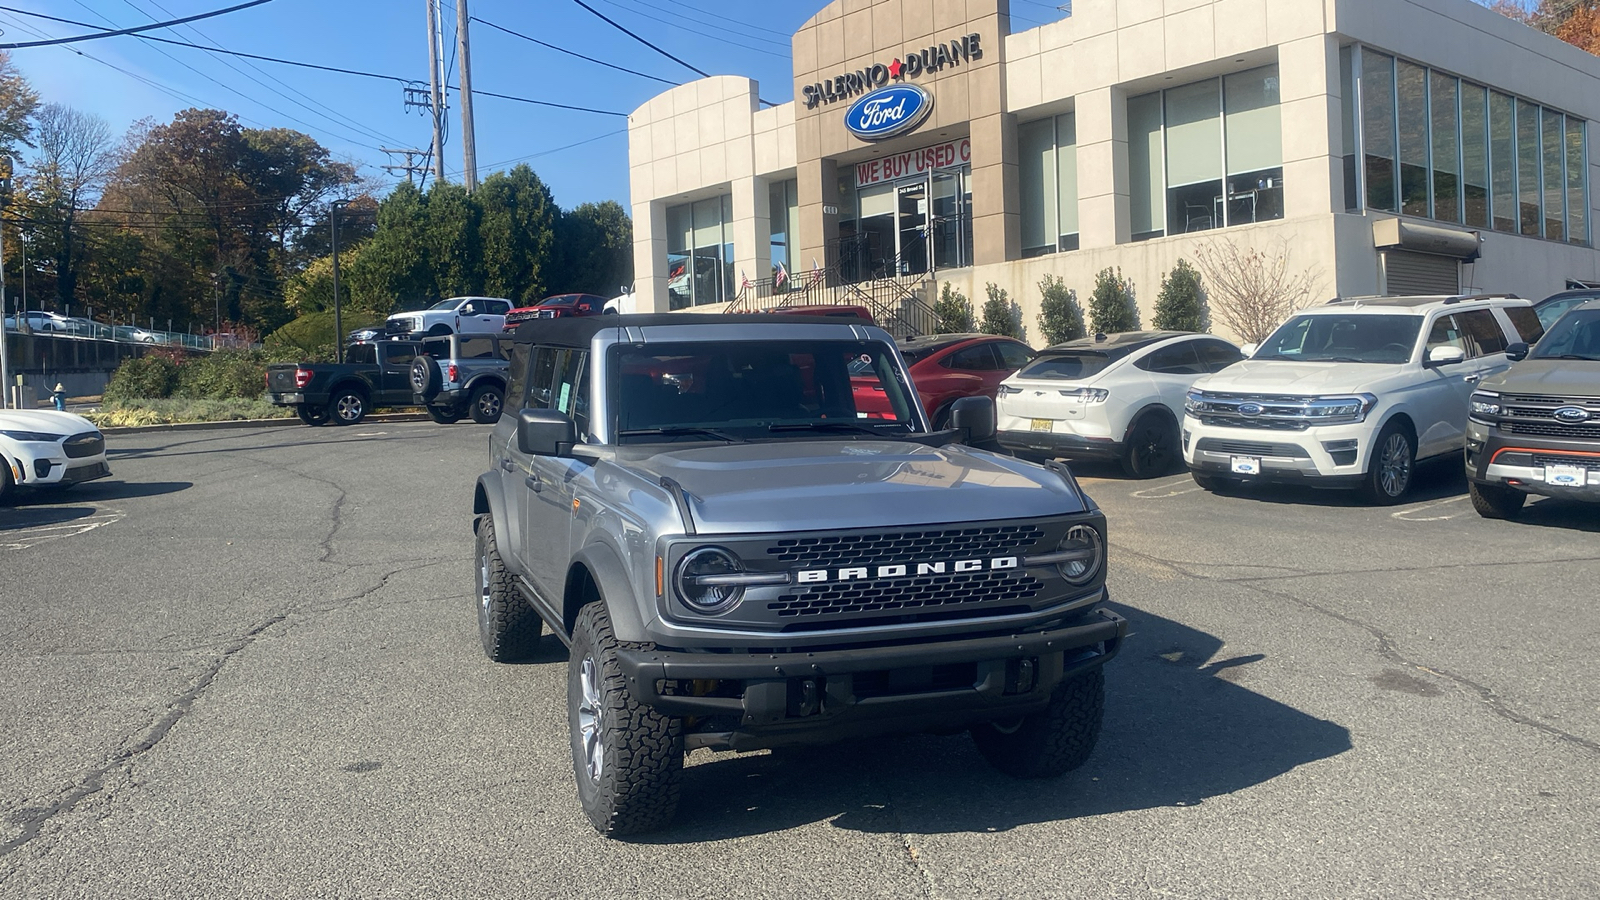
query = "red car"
{"x": 944, "y": 368}
{"x": 557, "y": 306}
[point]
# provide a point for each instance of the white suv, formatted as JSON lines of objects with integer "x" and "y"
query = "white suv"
{"x": 1352, "y": 394}
{"x": 457, "y": 315}
{"x": 1114, "y": 397}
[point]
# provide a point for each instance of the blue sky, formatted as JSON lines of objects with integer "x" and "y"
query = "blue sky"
{"x": 354, "y": 116}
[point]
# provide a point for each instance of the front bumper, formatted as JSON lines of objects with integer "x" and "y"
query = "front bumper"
{"x": 37, "y": 465}
{"x": 813, "y": 697}
{"x": 1521, "y": 461}
{"x": 1057, "y": 443}
{"x": 1284, "y": 456}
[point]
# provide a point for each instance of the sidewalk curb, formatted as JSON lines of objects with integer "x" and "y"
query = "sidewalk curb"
{"x": 253, "y": 423}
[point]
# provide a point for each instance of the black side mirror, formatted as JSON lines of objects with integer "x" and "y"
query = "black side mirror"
{"x": 975, "y": 416}
{"x": 1517, "y": 352}
{"x": 545, "y": 432}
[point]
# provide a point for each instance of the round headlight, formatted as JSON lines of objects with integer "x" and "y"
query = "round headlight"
{"x": 697, "y": 580}
{"x": 1084, "y": 551}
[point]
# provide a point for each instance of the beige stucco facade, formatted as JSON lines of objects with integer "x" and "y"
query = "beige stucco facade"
{"x": 712, "y": 137}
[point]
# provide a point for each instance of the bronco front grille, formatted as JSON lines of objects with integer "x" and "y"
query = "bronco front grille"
{"x": 871, "y": 549}
{"x": 1543, "y": 429}
{"x": 907, "y": 594}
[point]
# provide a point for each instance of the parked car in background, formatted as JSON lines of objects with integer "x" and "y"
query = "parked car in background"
{"x": 45, "y": 448}
{"x": 457, "y": 315}
{"x": 133, "y": 333}
{"x": 1116, "y": 397}
{"x": 944, "y": 368}
{"x": 1352, "y": 394}
{"x": 1535, "y": 428}
{"x": 459, "y": 376}
{"x": 40, "y": 320}
{"x": 1555, "y": 306}
{"x": 372, "y": 375}
{"x": 367, "y": 333}
{"x": 556, "y": 307}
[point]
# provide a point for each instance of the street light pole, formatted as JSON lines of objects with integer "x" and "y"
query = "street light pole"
{"x": 5, "y": 361}
{"x": 338, "y": 316}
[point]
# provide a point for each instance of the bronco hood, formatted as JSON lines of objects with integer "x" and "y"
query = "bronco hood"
{"x": 1550, "y": 377}
{"x": 837, "y": 484}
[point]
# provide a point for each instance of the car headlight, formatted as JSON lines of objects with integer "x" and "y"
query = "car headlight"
{"x": 1332, "y": 410}
{"x": 1485, "y": 406}
{"x": 709, "y": 580}
{"x": 36, "y": 436}
{"x": 1087, "y": 395}
{"x": 1080, "y": 555}
{"x": 1193, "y": 401}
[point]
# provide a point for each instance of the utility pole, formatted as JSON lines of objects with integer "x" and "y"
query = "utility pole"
{"x": 436, "y": 88}
{"x": 338, "y": 315}
{"x": 469, "y": 146}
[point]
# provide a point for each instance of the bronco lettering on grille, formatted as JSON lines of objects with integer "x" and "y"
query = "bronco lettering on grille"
{"x": 903, "y": 570}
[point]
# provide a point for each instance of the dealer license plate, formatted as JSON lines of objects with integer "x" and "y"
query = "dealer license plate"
{"x": 1247, "y": 465}
{"x": 1044, "y": 424}
{"x": 1566, "y": 476}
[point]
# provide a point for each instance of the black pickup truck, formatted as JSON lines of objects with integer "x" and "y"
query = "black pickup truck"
{"x": 373, "y": 374}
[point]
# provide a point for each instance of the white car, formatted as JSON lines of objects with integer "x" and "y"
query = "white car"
{"x": 1113, "y": 397}
{"x": 41, "y": 320}
{"x": 457, "y": 315}
{"x": 45, "y": 448}
{"x": 1352, "y": 394}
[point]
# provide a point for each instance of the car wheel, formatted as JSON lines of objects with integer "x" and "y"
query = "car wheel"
{"x": 1495, "y": 502}
{"x": 348, "y": 406}
{"x": 1053, "y": 741}
{"x": 7, "y": 488}
{"x": 438, "y": 330}
{"x": 941, "y": 418}
{"x": 486, "y": 404}
{"x": 1152, "y": 447}
{"x": 627, "y": 758}
{"x": 1393, "y": 467}
{"x": 424, "y": 376}
{"x": 508, "y": 627}
{"x": 444, "y": 415}
{"x": 312, "y": 415}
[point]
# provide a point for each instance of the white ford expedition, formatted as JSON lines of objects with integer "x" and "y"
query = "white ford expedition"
{"x": 1353, "y": 393}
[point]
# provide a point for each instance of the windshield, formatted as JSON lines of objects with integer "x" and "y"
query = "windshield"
{"x": 1575, "y": 335}
{"x": 452, "y": 303}
{"x": 561, "y": 300}
{"x": 1071, "y": 364}
{"x": 1358, "y": 338}
{"x": 749, "y": 390}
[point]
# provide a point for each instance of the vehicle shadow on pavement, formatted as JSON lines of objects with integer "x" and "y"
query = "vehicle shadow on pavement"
{"x": 1180, "y": 728}
{"x": 1572, "y": 515}
{"x": 1434, "y": 480}
{"x": 44, "y": 516}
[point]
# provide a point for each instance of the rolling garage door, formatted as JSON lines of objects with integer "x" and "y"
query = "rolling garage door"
{"x": 1407, "y": 273}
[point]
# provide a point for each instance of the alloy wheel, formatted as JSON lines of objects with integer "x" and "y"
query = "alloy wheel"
{"x": 1394, "y": 465}
{"x": 489, "y": 404}
{"x": 589, "y": 718}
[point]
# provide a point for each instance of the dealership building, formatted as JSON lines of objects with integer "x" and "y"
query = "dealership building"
{"x": 1381, "y": 146}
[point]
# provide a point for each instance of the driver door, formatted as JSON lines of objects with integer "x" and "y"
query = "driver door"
{"x": 550, "y": 483}
{"x": 516, "y": 467}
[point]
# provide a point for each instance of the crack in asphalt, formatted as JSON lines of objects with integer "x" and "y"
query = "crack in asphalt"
{"x": 1387, "y": 647}
{"x": 913, "y": 856}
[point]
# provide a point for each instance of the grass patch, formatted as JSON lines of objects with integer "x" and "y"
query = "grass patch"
{"x": 135, "y": 412}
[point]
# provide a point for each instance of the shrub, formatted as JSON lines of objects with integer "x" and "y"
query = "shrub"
{"x": 1060, "y": 316}
{"x": 1112, "y": 307}
{"x": 162, "y": 412}
{"x": 152, "y": 375}
{"x": 1181, "y": 304}
{"x": 953, "y": 311}
{"x": 223, "y": 375}
{"x": 1000, "y": 315}
{"x": 309, "y": 338}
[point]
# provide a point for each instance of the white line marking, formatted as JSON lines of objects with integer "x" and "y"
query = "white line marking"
{"x": 1405, "y": 515}
{"x": 370, "y": 433}
{"x": 1187, "y": 484}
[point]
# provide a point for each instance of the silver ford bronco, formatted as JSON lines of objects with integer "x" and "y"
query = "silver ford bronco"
{"x": 747, "y": 536}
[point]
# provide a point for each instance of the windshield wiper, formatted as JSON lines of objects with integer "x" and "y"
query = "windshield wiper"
{"x": 1343, "y": 359}
{"x": 1577, "y": 356}
{"x": 676, "y": 430}
{"x": 829, "y": 426}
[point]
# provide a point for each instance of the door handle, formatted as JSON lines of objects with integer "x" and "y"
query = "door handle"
{"x": 533, "y": 483}
{"x": 1472, "y": 379}
{"x": 507, "y": 465}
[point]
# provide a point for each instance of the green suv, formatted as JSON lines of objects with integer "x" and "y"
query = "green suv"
{"x": 1535, "y": 428}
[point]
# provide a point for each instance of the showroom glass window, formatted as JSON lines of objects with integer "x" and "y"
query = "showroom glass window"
{"x": 1435, "y": 146}
{"x": 700, "y": 252}
{"x": 784, "y": 199}
{"x": 1048, "y": 177}
{"x": 1206, "y": 155}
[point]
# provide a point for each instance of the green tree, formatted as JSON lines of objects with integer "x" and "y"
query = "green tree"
{"x": 952, "y": 312}
{"x": 1112, "y": 307}
{"x": 18, "y": 101}
{"x": 1181, "y": 304}
{"x": 595, "y": 250}
{"x": 518, "y": 231}
{"x": 1060, "y": 315}
{"x": 1000, "y": 315}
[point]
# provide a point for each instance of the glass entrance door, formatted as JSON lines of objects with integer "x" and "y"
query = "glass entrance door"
{"x": 950, "y": 234}
{"x": 912, "y": 201}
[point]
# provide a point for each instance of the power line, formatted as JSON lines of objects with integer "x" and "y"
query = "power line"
{"x": 740, "y": 40}
{"x": 600, "y": 62}
{"x": 727, "y": 19}
{"x": 121, "y": 31}
{"x": 602, "y": 16}
{"x": 551, "y": 150}
{"x": 600, "y": 112}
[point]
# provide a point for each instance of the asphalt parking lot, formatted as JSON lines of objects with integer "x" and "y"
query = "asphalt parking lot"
{"x": 247, "y": 666}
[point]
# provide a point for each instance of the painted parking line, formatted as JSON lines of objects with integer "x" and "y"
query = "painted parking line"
{"x": 1184, "y": 485}
{"x": 1411, "y": 515}
{"x": 33, "y": 535}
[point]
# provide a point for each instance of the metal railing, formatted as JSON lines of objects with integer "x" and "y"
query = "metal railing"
{"x": 896, "y": 302}
{"x": 86, "y": 329}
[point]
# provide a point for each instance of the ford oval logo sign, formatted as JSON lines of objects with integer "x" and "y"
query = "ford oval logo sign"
{"x": 888, "y": 111}
{"x": 1572, "y": 414}
{"x": 1249, "y": 410}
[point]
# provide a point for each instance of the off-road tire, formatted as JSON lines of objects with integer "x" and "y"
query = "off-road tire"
{"x": 487, "y": 402}
{"x": 444, "y": 415}
{"x": 640, "y": 750}
{"x": 424, "y": 376}
{"x": 1494, "y": 502}
{"x": 312, "y": 415}
{"x": 1379, "y": 486}
{"x": 347, "y": 406}
{"x": 1053, "y": 741}
{"x": 508, "y": 627}
{"x": 1151, "y": 449}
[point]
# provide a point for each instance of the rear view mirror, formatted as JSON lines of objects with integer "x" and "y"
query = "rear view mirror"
{"x": 975, "y": 416}
{"x": 545, "y": 432}
{"x": 1517, "y": 352}
{"x": 1444, "y": 356}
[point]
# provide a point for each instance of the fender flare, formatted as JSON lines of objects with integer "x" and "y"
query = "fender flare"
{"x": 492, "y": 377}
{"x": 601, "y": 564}
{"x": 488, "y": 499}
{"x": 1158, "y": 408}
{"x": 364, "y": 388}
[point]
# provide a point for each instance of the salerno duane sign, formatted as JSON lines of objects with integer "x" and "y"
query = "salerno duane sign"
{"x": 930, "y": 59}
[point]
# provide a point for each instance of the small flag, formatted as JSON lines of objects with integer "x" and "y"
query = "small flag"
{"x": 744, "y": 281}
{"x": 781, "y": 277}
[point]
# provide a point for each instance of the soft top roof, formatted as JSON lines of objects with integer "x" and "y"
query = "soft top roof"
{"x": 578, "y": 331}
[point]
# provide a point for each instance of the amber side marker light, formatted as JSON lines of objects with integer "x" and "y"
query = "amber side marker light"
{"x": 659, "y": 579}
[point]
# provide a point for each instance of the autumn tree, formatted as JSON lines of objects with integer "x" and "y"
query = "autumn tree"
{"x": 76, "y": 155}
{"x": 18, "y": 101}
{"x": 1254, "y": 291}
